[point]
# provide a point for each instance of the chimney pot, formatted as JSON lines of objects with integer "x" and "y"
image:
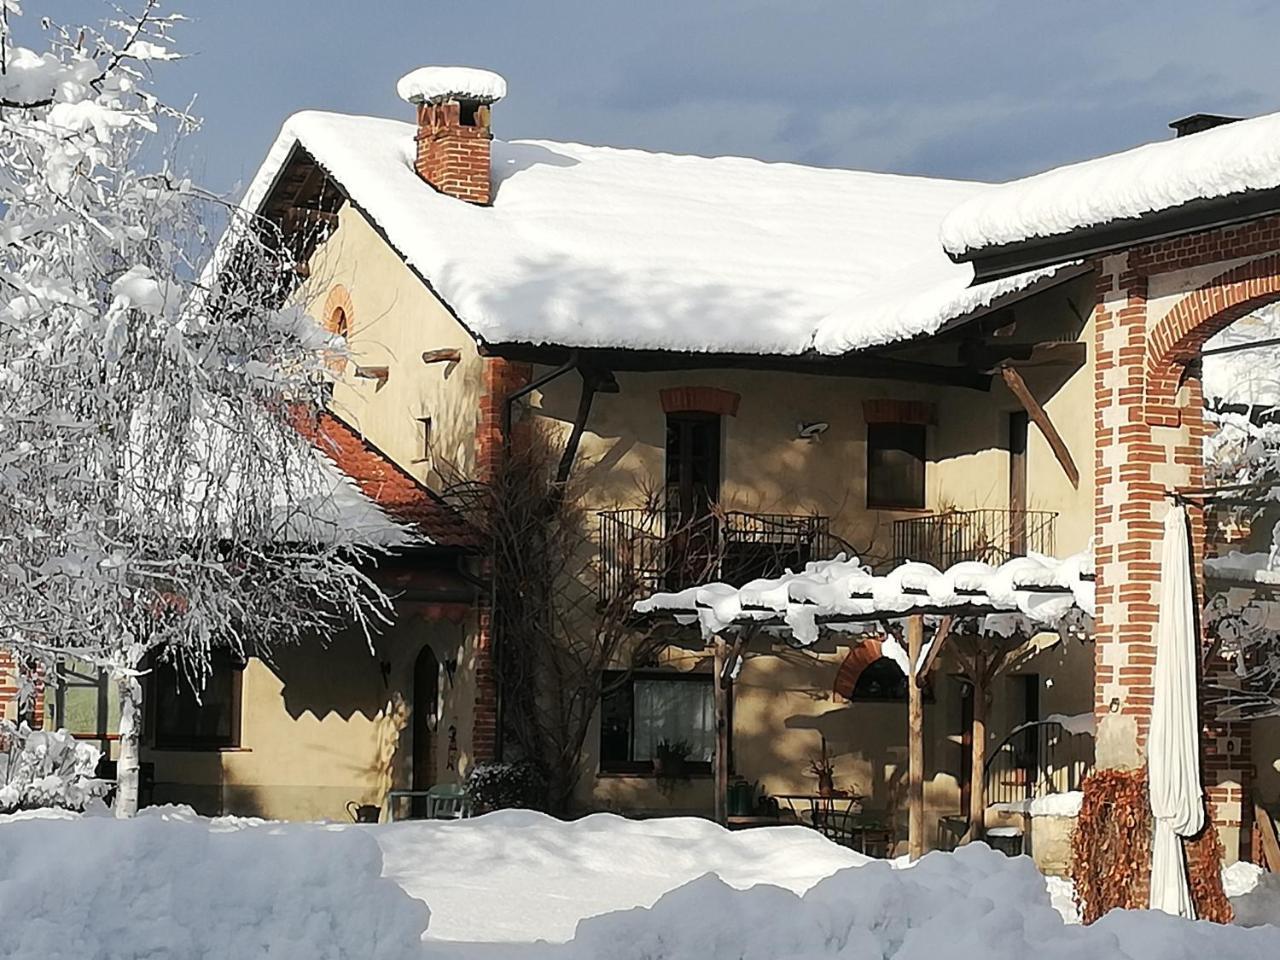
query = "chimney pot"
{"x": 453, "y": 107}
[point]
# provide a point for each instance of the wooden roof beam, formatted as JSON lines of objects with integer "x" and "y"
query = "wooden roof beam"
{"x": 1040, "y": 417}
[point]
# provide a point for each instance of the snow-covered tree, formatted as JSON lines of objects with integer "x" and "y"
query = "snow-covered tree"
{"x": 1242, "y": 461}
{"x": 156, "y": 497}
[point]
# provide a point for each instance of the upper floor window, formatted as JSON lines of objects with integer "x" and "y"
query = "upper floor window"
{"x": 895, "y": 465}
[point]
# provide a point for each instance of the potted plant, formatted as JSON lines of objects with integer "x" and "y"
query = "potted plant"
{"x": 670, "y": 763}
{"x": 822, "y": 768}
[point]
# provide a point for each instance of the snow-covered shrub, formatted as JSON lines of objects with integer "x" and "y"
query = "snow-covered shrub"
{"x": 39, "y": 768}
{"x": 504, "y": 786}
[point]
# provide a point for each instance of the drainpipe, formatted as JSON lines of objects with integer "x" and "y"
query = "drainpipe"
{"x": 527, "y": 389}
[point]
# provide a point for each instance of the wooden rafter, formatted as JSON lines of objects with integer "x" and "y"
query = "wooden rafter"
{"x": 1018, "y": 387}
{"x": 940, "y": 637}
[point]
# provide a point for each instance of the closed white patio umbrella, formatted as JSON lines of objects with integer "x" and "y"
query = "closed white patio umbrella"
{"x": 1173, "y": 748}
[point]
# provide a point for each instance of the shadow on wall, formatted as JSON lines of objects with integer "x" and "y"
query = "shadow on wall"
{"x": 342, "y": 677}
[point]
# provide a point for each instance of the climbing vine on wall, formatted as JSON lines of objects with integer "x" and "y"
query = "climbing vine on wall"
{"x": 1111, "y": 851}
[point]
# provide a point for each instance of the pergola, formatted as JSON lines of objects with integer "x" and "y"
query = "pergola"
{"x": 984, "y": 614}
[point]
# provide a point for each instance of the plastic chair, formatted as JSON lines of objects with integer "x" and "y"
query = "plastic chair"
{"x": 447, "y": 801}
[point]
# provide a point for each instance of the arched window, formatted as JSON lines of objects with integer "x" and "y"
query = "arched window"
{"x": 338, "y": 322}
{"x": 881, "y": 679}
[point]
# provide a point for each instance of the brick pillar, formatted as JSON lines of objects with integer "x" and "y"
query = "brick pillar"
{"x": 501, "y": 378}
{"x": 1128, "y": 513}
{"x": 8, "y": 685}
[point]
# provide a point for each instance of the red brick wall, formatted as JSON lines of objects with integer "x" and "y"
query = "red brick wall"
{"x": 452, "y": 158}
{"x": 1150, "y": 429}
{"x": 501, "y": 378}
{"x": 8, "y": 685}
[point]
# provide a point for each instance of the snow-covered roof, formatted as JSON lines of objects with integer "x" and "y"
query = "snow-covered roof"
{"x": 601, "y": 247}
{"x": 1021, "y": 595}
{"x": 446, "y": 83}
{"x": 1226, "y": 160}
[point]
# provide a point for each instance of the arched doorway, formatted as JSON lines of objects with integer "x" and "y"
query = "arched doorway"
{"x": 426, "y": 709}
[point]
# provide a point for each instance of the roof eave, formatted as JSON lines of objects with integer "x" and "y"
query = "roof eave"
{"x": 1195, "y": 216}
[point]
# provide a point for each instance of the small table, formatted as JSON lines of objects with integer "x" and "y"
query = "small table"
{"x": 834, "y": 816}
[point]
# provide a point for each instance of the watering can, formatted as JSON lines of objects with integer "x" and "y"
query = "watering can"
{"x": 363, "y": 812}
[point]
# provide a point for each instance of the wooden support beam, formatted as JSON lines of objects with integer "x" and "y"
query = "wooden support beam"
{"x": 443, "y": 355}
{"x": 1270, "y": 843}
{"x": 940, "y": 637}
{"x": 1018, "y": 387}
{"x": 721, "y": 696}
{"x": 978, "y": 762}
{"x": 915, "y": 744}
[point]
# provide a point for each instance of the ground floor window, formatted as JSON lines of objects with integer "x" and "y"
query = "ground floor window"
{"x": 189, "y": 719}
{"x": 85, "y": 702}
{"x": 645, "y": 714}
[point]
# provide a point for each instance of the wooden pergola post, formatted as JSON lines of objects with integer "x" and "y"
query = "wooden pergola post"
{"x": 978, "y": 756}
{"x": 915, "y": 741}
{"x": 721, "y": 695}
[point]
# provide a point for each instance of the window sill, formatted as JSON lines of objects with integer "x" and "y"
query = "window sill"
{"x": 195, "y": 748}
{"x": 631, "y": 775}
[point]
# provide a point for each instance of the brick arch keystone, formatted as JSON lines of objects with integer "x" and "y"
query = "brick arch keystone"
{"x": 860, "y": 657}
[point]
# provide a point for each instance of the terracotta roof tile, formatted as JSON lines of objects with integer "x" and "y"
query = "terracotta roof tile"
{"x": 384, "y": 482}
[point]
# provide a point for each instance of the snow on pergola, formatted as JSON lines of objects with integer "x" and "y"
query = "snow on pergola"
{"x": 1023, "y": 596}
{"x": 993, "y": 610}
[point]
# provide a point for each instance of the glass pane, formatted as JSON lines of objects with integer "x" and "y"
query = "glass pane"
{"x": 182, "y": 717}
{"x": 90, "y": 701}
{"x": 615, "y": 725}
{"x": 895, "y": 465}
{"x": 674, "y": 711}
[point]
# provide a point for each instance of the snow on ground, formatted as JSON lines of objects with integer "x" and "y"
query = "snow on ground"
{"x": 97, "y": 888}
{"x": 522, "y": 886}
{"x": 552, "y": 873}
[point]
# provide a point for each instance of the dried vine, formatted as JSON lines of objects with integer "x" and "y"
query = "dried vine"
{"x": 1111, "y": 851}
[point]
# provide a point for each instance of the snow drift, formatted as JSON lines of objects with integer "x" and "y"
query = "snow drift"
{"x": 96, "y": 888}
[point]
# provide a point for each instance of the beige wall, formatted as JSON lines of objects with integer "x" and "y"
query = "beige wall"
{"x": 311, "y": 764}
{"x": 322, "y": 727}
{"x": 394, "y": 320}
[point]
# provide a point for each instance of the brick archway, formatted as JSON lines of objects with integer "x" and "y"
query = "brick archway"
{"x": 1177, "y": 339}
{"x": 860, "y": 657}
{"x": 1150, "y": 428}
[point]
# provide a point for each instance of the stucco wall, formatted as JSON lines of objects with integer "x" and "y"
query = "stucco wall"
{"x": 394, "y": 320}
{"x": 322, "y": 727}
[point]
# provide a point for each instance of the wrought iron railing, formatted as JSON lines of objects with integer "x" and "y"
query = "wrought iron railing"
{"x": 992, "y": 536}
{"x": 645, "y": 551}
{"x": 1036, "y": 759}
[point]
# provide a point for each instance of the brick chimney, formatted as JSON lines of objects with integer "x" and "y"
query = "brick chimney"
{"x": 453, "y": 128}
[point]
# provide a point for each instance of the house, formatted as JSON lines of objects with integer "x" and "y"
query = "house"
{"x": 800, "y": 361}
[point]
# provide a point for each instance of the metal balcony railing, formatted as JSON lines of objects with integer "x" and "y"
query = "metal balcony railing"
{"x": 992, "y": 536}
{"x": 645, "y": 551}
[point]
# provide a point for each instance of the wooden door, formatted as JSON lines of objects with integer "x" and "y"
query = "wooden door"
{"x": 426, "y": 703}
{"x": 692, "y": 490}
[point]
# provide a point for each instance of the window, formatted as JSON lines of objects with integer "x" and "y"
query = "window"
{"x": 85, "y": 702}
{"x": 884, "y": 680}
{"x": 641, "y": 711}
{"x": 425, "y": 424}
{"x": 895, "y": 465}
{"x": 188, "y": 719}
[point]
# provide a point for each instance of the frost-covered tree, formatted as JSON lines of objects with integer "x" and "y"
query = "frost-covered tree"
{"x": 156, "y": 497}
{"x": 1242, "y": 460}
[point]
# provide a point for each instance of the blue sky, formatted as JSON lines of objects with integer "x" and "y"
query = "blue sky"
{"x": 986, "y": 89}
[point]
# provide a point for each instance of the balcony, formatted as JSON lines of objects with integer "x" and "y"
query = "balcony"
{"x": 645, "y": 551}
{"x": 992, "y": 536}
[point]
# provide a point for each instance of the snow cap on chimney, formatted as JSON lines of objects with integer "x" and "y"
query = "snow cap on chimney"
{"x": 441, "y": 84}
{"x": 453, "y": 136}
